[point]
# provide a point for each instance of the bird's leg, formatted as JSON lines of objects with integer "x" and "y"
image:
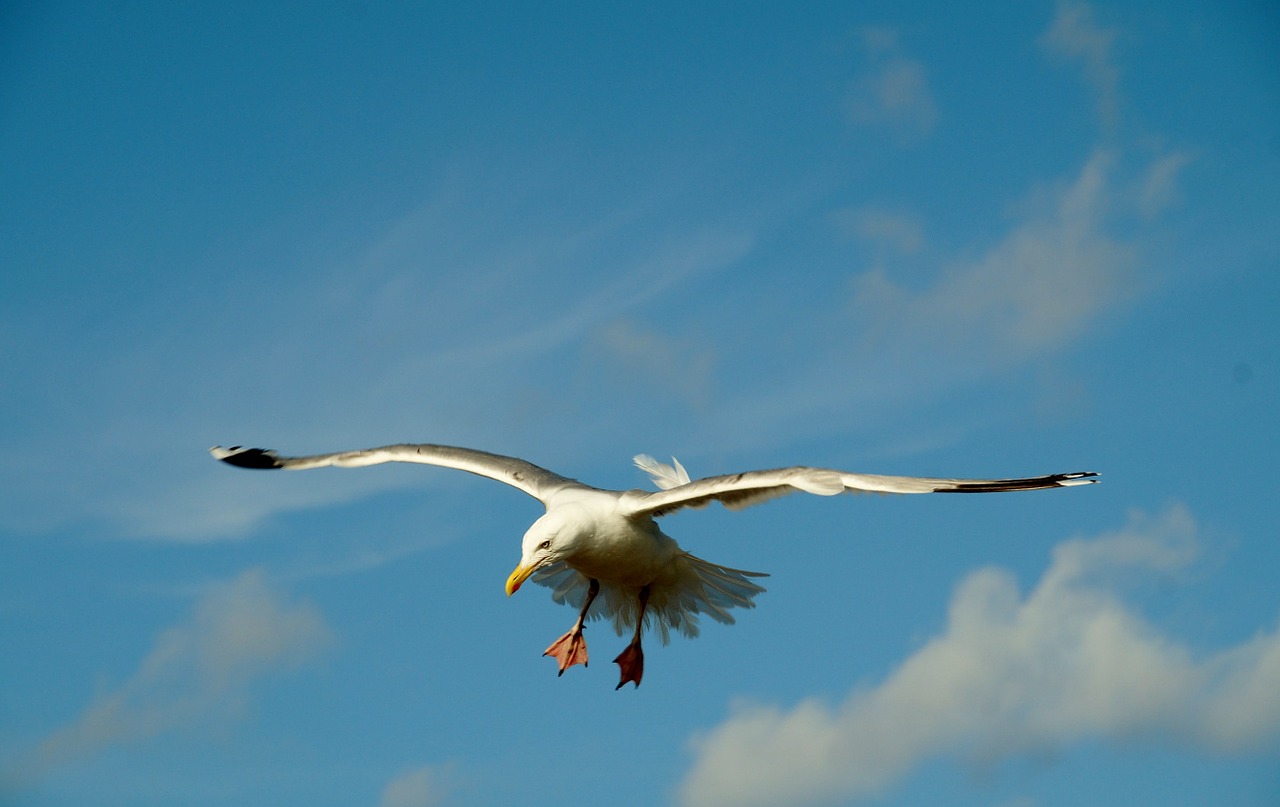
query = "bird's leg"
{"x": 631, "y": 660}
{"x": 571, "y": 648}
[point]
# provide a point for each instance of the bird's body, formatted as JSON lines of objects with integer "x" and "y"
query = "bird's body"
{"x": 594, "y": 545}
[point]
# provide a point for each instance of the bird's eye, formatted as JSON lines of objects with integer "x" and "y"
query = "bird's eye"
{"x": 544, "y": 545}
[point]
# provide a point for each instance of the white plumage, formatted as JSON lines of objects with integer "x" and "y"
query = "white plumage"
{"x": 604, "y": 546}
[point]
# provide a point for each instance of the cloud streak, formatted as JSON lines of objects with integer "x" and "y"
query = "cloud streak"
{"x": 893, "y": 91}
{"x": 894, "y": 232}
{"x": 425, "y": 786}
{"x": 239, "y": 632}
{"x": 1074, "y": 35}
{"x": 633, "y": 355}
{"x": 1068, "y": 662}
{"x": 1035, "y": 290}
{"x": 466, "y": 346}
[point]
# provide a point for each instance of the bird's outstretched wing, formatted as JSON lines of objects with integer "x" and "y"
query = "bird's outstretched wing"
{"x": 736, "y": 491}
{"x": 537, "y": 482}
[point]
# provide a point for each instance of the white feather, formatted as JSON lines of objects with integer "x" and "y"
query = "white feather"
{"x": 664, "y": 476}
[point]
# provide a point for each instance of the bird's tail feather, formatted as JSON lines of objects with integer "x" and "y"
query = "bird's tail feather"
{"x": 697, "y": 587}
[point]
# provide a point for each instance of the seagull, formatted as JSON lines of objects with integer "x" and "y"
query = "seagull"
{"x": 598, "y": 544}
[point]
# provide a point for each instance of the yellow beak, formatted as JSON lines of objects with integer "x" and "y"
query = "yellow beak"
{"x": 518, "y": 577}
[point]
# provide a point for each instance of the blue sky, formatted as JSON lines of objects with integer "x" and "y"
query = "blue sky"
{"x": 882, "y": 237}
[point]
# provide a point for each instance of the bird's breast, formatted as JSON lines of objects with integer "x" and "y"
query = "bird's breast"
{"x": 625, "y": 553}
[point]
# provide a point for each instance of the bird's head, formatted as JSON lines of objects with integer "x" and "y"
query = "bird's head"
{"x": 550, "y": 539}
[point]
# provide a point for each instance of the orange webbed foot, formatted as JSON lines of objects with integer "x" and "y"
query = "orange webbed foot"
{"x": 569, "y": 650}
{"x": 631, "y": 662}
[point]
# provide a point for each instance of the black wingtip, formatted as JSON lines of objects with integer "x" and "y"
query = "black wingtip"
{"x": 258, "y": 458}
{"x": 1081, "y": 478}
{"x": 1033, "y": 483}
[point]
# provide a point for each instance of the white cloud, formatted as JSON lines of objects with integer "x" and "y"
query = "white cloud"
{"x": 637, "y": 356}
{"x": 426, "y": 786}
{"x": 1075, "y": 35}
{"x": 1034, "y": 291}
{"x": 198, "y": 669}
{"x": 1010, "y": 674}
{"x": 884, "y": 230}
{"x": 911, "y": 334}
{"x": 1159, "y": 188}
{"x": 893, "y": 90}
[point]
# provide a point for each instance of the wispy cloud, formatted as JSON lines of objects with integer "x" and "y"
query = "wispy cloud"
{"x": 425, "y": 786}
{"x": 1159, "y": 189}
{"x": 630, "y": 354}
{"x": 446, "y": 326}
{"x": 1035, "y": 290}
{"x": 1075, "y": 35}
{"x": 923, "y": 322}
{"x": 892, "y": 231}
{"x": 1068, "y": 662}
{"x": 892, "y": 90}
{"x": 198, "y": 669}
{"x": 906, "y": 338}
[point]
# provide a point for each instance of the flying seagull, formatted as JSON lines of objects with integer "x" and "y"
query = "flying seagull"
{"x": 594, "y": 543}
